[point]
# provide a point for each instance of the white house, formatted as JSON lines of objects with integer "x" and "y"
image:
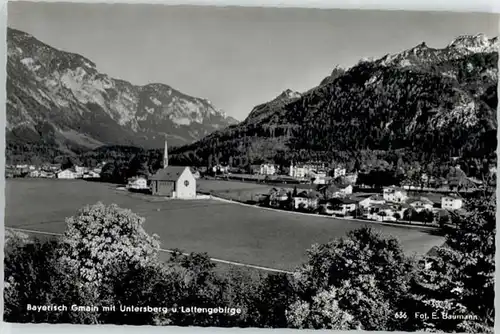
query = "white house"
{"x": 267, "y": 169}
{"x": 220, "y": 169}
{"x": 91, "y": 175}
{"x": 320, "y": 180}
{"x": 342, "y": 206}
{"x": 309, "y": 200}
{"x": 338, "y": 172}
{"x": 306, "y": 170}
{"x": 319, "y": 177}
{"x": 137, "y": 183}
{"x": 277, "y": 196}
{"x": 451, "y": 202}
{"x": 396, "y": 195}
{"x": 80, "y": 170}
{"x": 346, "y": 190}
{"x": 47, "y": 174}
{"x": 381, "y": 212}
{"x": 421, "y": 203}
{"x": 351, "y": 178}
{"x": 372, "y": 200}
{"x": 298, "y": 171}
{"x": 67, "y": 174}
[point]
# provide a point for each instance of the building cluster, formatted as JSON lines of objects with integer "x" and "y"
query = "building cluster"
{"x": 307, "y": 199}
{"x": 54, "y": 171}
{"x": 79, "y": 172}
{"x": 313, "y": 172}
{"x": 394, "y": 203}
{"x": 391, "y": 205}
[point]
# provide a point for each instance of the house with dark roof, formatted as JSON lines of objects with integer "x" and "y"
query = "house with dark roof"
{"x": 420, "y": 203}
{"x": 371, "y": 200}
{"x": 306, "y": 199}
{"x": 339, "y": 206}
{"x": 174, "y": 182}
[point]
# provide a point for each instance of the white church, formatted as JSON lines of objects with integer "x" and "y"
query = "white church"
{"x": 173, "y": 181}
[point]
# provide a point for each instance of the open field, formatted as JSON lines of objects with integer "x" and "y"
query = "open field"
{"x": 235, "y": 190}
{"x": 224, "y": 230}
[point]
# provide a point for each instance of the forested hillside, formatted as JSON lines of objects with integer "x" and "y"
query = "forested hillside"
{"x": 423, "y": 105}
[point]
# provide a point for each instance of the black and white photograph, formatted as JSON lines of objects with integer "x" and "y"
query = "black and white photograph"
{"x": 250, "y": 167}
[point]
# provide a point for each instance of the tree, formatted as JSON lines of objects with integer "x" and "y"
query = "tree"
{"x": 444, "y": 220}
{"x": 323, "y": 312}
{"x": 363, "y": 264}
{"x": 275, "y": 293}
{"x": 409, "y": 214}
{"x": 427, "y": 216}
{"x": 67, "y": 163}
{"x": 34, "y": 275}
{"x": 100, "y": 237}
{"x": 474, "y": 238}
{"x": 461, "y": 278}
{"x": 137, "y": 166}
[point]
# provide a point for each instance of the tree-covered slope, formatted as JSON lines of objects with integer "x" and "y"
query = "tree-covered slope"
{"x": 423, "y": 104}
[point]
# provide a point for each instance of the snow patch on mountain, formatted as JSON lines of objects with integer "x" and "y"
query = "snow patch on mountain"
{"x": 181, "y": 120}
{"x": 371, "y": 81}
{"x": 30, "y": 64}
{"x": 155, "y": 101}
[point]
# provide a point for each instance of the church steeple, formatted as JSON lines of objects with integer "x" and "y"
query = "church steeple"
{"x": 165, "y": 155}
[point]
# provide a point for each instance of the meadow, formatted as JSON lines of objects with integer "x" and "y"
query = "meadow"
{"x": 228, "y": 231}
{"x": 234, "y": 190}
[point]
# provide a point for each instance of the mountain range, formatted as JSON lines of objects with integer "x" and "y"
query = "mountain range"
{"x": 59, "y": 103}
{"x": 423, "y": 104}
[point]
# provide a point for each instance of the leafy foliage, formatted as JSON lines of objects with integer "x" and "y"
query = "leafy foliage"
{"x": 323, "y": 312}
{"x": 100, "y": 236}
{"x": 34, "y": 275}
{"x": 461, "y": 278}
{"x": 371, "y": 273}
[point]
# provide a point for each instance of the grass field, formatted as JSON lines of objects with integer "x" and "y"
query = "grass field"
{"x": 224, "y": 230}
{"x": 235, "y": 190}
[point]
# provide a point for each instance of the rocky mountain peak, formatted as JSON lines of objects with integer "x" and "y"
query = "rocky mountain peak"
{"x": 289, "y": 94}
{"x": 422, "y": 54}
{"x": 81, "y": 107}
{"x": 475, "y": 43}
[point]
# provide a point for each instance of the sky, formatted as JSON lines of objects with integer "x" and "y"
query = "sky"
{"x": 233, "y": 56}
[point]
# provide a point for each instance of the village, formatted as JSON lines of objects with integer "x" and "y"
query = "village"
{"x": 307, "y": 187}
{"x": 337, "y": 193}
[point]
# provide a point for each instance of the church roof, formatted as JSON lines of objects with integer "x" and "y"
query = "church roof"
{"x": 170, "y": 173}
